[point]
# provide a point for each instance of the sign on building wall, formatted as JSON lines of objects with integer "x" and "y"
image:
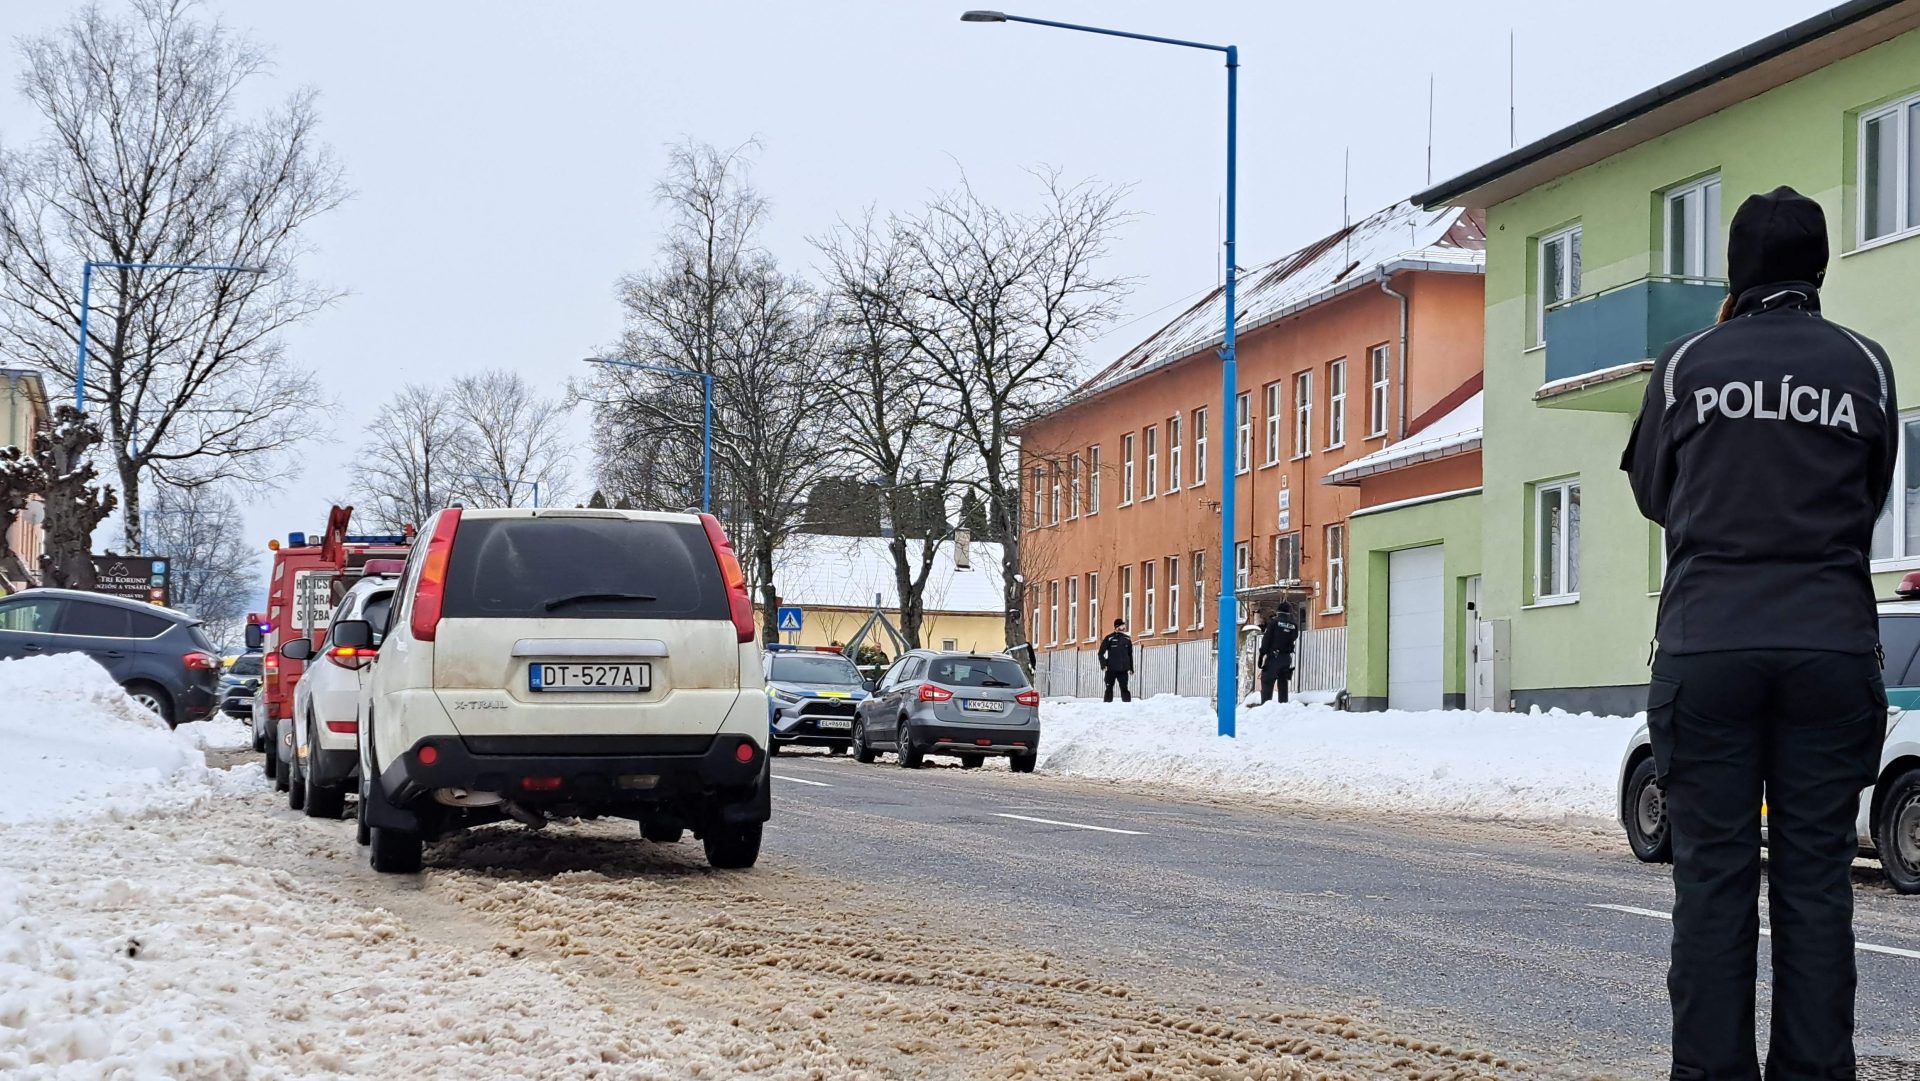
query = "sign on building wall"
{"x": 1286, "y": 509}
{"x": 137, "y": 578}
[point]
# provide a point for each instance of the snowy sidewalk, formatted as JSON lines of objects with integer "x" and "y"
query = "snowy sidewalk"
{"x": 1549, "y": 767}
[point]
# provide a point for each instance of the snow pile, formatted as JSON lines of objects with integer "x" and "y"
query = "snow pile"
{"x": 218, "y": 733}
{"x": 1511, "y": 766}
{"x": 76, "y": 745}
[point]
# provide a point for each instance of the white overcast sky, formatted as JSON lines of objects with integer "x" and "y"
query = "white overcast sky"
{"x": 503, "y": 154}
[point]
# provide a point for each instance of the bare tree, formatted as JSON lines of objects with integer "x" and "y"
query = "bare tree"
{"x": 75, "y": 504}
{"x": 513, "y": 442}
{"x": 1004, "y": 303}
{"x": 21, "y": 482}
{"x": 717, "y": 304}
{"x": 410, "y": 465}
{"x": 888, "y": 395}
{"x": 143, "y": 160}
{"x": 200, "y": 532}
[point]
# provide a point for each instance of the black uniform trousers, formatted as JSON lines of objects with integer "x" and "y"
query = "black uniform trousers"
{"x": 1801, "y": 729}
{"x": 1113, "y": 677}
{"x": 1274, "y": 678}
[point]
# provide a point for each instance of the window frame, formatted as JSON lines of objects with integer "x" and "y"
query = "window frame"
{"x": 1093, "y": 480}
{"x": 1571, "y": 234}
{"x": 1126, "y": 594}
{"x": 1151, "y": 461}
{"x": 1302, "y": 414}
{"x": 1336, "y": 563}
{"x": 1149, "y": 593}
{"x": 1173, "y": 594}
{"x": 1896, "y": 510}
{"x": 1053, "y": 481}
{"x": 1703, "y": 231}
{"x": 1242, "y": 433}
{"x": 1128, "y": 447}
{"x": 1242, "y": 576}
{"x": 1075, "y": 490}
{"x": 1073, "y": 609}
{"x": 1039, "y": 497}
{"x": 1053, "y": 612}
{"x": 1175, "y": 431}
{"x": 1380, "y": 389}
{"x": 1336, "y": 403}
{"x": 1567, "y": 562}
{"x": 1294, "y": 543}
{"x": 1199, "y": 562}
{"x": 1276, "y": 399}
{"x": 1200, "y": 447}
{"x": 1905, "y": 213}
{"x": 1093, "y": 605}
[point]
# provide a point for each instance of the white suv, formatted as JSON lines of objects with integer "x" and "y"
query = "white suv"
{"x": 548, "y": 663}
{"x": 325, "y": 726}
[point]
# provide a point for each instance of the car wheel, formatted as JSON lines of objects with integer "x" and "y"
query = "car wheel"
{"x": 270, "y": 765}
{"x": 1023, "y": 763}
{"x": 1644, "y": 804}
{"x": 911, "y": 757}
{"x": 861, "y": 752}
{"x": 971, "y": 761}
{"x": 259, "y": 742}
{"x": 733, "y": 848}
{"x": 322, "y": 801}
{"x": 773, "y": 747}
{"x": 394, "y": 852}
{"x": 1897, "y": 833}
{"x": 360, "y": 828}
{"x": 154, "y": 700}
{"x": 296, "y": 783}
{"x": 662, "y": 833}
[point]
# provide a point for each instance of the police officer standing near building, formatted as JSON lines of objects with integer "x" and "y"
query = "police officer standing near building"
{"x": 1116, "y": 660}
{"x": 1276, "y": 653}
{"x": 1765, "y": 447}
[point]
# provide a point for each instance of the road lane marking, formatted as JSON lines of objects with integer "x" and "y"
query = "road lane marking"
{"x": 801, "y": 780}
{"x": 1864, "y": 947}
{"x": 1069, "y": 825}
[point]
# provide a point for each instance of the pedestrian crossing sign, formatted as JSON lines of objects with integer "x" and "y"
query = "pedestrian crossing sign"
{"x": 790, "y": 620}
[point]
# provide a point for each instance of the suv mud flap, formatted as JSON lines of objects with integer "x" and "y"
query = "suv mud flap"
{"x": 382, "y": 812}
{"x": 756, "y": 808}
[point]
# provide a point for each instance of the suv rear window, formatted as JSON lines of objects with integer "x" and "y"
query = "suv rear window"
{"x": 583, "y": 568}
{"x": 976, "y": 672}
{"x": 813, "y": 668}
{"x": 246, "y": 665}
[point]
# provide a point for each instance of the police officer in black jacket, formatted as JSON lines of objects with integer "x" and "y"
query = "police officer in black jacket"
{"x": 1276, "y": 653}
{"x": 1116, "y": 660}
{"x": 1765, "y": 447}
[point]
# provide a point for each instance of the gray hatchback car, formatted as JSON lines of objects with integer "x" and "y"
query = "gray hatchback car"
{"x": 968, "y": 705}
{"x": 161, "y": 657}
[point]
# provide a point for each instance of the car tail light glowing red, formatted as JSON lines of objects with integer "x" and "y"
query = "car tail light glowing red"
{"x": 430, "y": 594}
{"x": 540, "y": 784}
{"x": 427, "y": 755}
{"x": 983, "y": 743}
{"x": 931, "y": 693}
{"x": 200, "y": 662}
{"x": 743, "y": 753}
{"x": 739, "y": 603}
{"x": 1028, "y": 698}
{"x": 343, "y": 727}
{"x": 354, "y": 657}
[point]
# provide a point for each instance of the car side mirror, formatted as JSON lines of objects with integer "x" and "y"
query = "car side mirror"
{"x": 255, "y": 639}
{"x": 300, "y": 649}
{"x": 871, "y": 685}
{"x": 354, "y": 633}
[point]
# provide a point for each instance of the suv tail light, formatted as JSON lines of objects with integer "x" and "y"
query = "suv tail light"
{"x": 1028, "y": 698}
{"x": 430, "y": 594}
{"x": 931, "y": 693}
{"x": 353, "y": 657}
{"x": 200, "y": 662}
{"x": 739, "y": 603}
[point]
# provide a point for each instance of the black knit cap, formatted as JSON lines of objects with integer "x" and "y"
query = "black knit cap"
{"x": 1777, "y": 237}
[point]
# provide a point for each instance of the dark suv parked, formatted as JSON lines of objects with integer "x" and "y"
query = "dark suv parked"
{"x": 162, "y": 658}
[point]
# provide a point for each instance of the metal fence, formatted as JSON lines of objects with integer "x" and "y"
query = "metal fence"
{"x": 1187, "y": 668}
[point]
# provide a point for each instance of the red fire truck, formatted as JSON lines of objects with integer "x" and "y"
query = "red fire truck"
{"x": 310, "y": 575}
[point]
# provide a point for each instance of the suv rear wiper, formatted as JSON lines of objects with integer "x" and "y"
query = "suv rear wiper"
{"x": 579, "y": 598}
{"x": 994, "y": 683}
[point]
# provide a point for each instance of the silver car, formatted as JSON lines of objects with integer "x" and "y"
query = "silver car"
{"x": 968, "y": 705}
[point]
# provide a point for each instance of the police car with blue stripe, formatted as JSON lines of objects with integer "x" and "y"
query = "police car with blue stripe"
{"x": 812, "y": 692}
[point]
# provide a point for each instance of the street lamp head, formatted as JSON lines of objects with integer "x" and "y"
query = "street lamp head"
{"x": 980, "y": 16}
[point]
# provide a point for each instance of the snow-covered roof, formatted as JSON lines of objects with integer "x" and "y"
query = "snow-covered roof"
{"x": 1458, "y": 432}
{"x": 1401, "y": 237}
{"x": 845, "y": 572}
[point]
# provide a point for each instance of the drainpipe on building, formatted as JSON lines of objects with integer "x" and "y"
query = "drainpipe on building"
{"x": 1386, "y": 287}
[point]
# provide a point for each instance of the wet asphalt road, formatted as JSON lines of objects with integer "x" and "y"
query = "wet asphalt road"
{"x": 1477, "y": 935}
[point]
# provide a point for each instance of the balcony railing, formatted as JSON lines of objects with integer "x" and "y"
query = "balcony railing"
{"x": 1627, "y": 324}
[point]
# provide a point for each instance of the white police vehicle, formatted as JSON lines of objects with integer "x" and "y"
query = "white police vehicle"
{"x": 812, "y": 693}
{"x": 1889, "y": 821}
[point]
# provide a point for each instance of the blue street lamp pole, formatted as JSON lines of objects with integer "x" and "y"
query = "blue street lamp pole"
{"x": 86, "y": 306}
{"x": 706, "y": 417}
{"x": 1228, "y": 678}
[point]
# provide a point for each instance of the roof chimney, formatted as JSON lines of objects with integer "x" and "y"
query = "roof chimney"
{"x": 963, "y": 549}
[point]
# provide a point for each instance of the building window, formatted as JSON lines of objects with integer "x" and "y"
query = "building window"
{"x": 949, "y": 644}
{"x": 1039, "y": 497}
{"x": 1274, "y": 422}
{"x": 1153, "y": 461}
{"x": 1146, "y": 586}
{"x": 1199, "y": 590}
{"x": 1033, "y": 604}
{"x": 1302, "y": 414}
{"x": 1286, "y": 557}
{"x": 1073, "y": 609}
{"x": 1694, "y": 249}
{"x": 1199, "y": 447}
{"x": 1126, "y": 469}
{"x": 1890, "y": 170}
{"x": 1075, "y": 465}
{"x": 1897, "y": 534}
{"x": 1053, "y": 479}
{"x": 1173, "y": 594}
{"x": 1337, "y": 404}
{"x": 1377, "y": 361}
{"x": 1242, "y": 567}
{"x": 1243, "y": 431}
{"x": 1053, "y": 613}
{"x": 1093, "y": 479}
{"x": 1093, "y": 606}
{"x": 1173, "y": 453}
{"x": 1556, "y": 547}
{"x": 1559, "y": 275}
{"x": 1126, "y": 593}
{"x": 1337, "y": 567}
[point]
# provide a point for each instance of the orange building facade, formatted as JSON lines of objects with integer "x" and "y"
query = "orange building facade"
{"x": 1344, "y": 347}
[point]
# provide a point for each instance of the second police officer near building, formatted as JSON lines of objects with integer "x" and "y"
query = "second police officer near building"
{"x": 1765, "y": 447}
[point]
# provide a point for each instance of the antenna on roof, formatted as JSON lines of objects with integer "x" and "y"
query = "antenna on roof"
{"x": 1513, "y": 129}
{"x": 1429, "y": 129}
{"x": 1346, "y": 214}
